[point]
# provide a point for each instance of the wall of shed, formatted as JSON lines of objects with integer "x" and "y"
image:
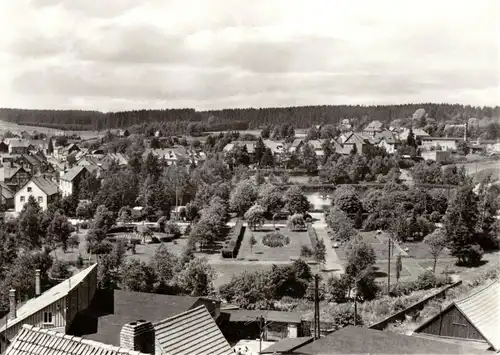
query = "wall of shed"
{"x": 452, "y": 324}
{"x": 58, "y": 310}
{"x": 80, "y": 297}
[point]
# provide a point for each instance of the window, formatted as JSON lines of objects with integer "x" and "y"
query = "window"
{"x": 29, "y": 189}
{"x": 47, "y": 317}
{"x": 23, "y": 198}
{"x": 40, "y": 199}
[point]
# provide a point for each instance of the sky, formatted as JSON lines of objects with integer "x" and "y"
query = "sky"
{"x": 113, "y": 55}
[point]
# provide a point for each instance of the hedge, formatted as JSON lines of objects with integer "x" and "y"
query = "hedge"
{"x": 232, "y": 245}
{"x": 311, "y": 232}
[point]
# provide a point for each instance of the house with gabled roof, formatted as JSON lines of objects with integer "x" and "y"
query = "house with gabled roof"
{"x": 387, "y": 140}
{"x": 53, "y": 309}
{"x": 359, "y": 141}
{"x": 70, "y": 180}
{"x": 475, "y": 317}
{"x": 4, "y": 147}
{"x": 373, "y": 128}
{"x": 37, "y": 341}
{"x": 19, "y": 146}
{"x": 190, "y": 332}
{"x": 43, "y": 189}
{"x": 14, "y": 176}
{"x": 6, "y": 196}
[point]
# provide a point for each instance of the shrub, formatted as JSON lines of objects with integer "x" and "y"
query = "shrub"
{"x": 435, "y": 217}
{"x": 79, "y": 261}
{"x": 337, "y": 288}
{"x": 344, "y": 317}
{"x": 424, "y": 281}
{"x": 296, "y": 222}
{"x": 475, "y": 254}
{"x": 84, "y": 225}
{"x": 275, "y": 240}
{"x": 230, "y": 250}
{"x": 173, "y": 229}
{"x": 305, "y": 251}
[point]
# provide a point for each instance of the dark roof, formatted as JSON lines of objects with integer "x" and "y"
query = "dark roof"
{"x": 245, "y": 315}
{"x": 46, "y": 185}
{"x": 130, "y": 306}
{"x": 374, "y": 126}
{"x": 6, "y": 172}
{"x": 287, "y": 345}
{"x": 19, "y": 143}
{"x": 482, "y": 310}
{"x": 7, "y": 193}
{"x": 191, "y": 332}
{"x": 388, "y": 136}
{"x": 357, "y": 340}
{"x": 35, "y": 341}
{"x": 72, "y": 173}
{"x": 31, "y": 159}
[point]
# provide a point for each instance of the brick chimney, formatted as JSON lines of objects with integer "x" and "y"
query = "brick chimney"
{"x": 13, "y": 304}
{"x": 38, "y": 288}
{"x": 139, "y": 335}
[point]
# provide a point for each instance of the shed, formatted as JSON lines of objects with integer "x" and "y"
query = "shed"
{"x": 475, "y": 317}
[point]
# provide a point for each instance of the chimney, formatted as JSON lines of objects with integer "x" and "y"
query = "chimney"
{"x": 13, "y": 305}
{"x": 139, "y": 336}
{"x": 38, "y": 288}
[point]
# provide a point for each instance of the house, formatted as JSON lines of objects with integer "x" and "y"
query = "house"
{"x": 32, "y": 163}
{"x": 38, "y": 341}
{"x": 373, "y": 128}
{"x": 250, "y": 146}
{"x": 19, "y": 146}
{"x": 439, "y": 143}
{"x": 6, "y": 196}
{"x": 287, "y": 345}
{"x": 14, "y": 176}
{"x": 4, "y": 147}
{"x": 358, "y": 142}
{"x": 359, "y": 340}
{"x": 42, "y": 189}
{"x": 119, "y": 158}
{"x": 418, "y": 133}
{"x": 387, "y": 140}
{"x": 53, "y": 309}
{"x": 190, "y": 332}
{"x": 69, "y": 182}
{"x": 340, "y": 148}
{"x": 170, "y": 155}
{"x": 296, "y": 145}
{"x": 475, "y": 317}
{"x": 240, "y": 324}
{"x": 39, "y": 145}
{"x": 112, "y": 309}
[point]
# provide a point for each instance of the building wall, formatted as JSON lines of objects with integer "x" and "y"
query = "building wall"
{"x": 389, "y": 148}
{"x": 35, "y": 192}
{"x": 452, "y": 324}
{"x": 80, "y": 297}
{"x": 18, "y": 150}
{"x": 58, "y": 310}
{"x": 66, "y": 187}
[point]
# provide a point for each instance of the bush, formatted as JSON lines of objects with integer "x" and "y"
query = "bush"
{"x": 296, "y": 222}
{"x": 475, "y": 254}
{"x": 275, "y": 240}
{"x": 344, "y": 317}
{"x": 435, "y": 217}
{"x": 84, "y": 225}
{"x": 305, "y": 251}
{"x": 424, "y": 281}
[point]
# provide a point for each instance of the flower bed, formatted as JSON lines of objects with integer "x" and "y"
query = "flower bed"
{"x": 275, "y": 240}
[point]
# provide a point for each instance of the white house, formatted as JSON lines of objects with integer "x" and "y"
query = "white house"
{"x": 439, "y": 143}
{"x": 42, "y": 189}
{"x": 70, "y": 180}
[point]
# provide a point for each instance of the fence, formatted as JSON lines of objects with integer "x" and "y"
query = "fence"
{"x": 418, "y": 306}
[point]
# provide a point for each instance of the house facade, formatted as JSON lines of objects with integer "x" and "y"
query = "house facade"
{"x": 42, "y": 189}
{"x": 19, "y": 146}
{"x": 439, "y": 143}
{"x": 69, "y": 182}
{"x": 14, "y": 176}
{"x": 358, "y": 142}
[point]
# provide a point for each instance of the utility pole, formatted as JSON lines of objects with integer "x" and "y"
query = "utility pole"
{"x": 261, "y": 326}
{"x": 389, "y": 266}
{"x": 316, "y": 305}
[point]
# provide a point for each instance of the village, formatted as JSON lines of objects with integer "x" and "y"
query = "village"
{"x": 279, "y": 241}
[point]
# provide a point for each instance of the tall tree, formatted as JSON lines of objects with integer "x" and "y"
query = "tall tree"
{"x": 59, "y": 231}
{"x": 437, "y": 242}
{"x": 243, "y": 196}
{"x": 296, "y": 201}
{"x": 309, "y": 158}
{"x": 30, "y": 224}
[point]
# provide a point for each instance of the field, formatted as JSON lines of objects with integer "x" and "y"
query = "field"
{"x": 9, "y": 126}
{"x": 262, "y": 252}
{"x": 481, "y": 168}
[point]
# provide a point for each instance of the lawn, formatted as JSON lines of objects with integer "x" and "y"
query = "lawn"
{"x": 262, "y": 252}
{"x": 421, "y": 250}
{"x": 381, "y": 270}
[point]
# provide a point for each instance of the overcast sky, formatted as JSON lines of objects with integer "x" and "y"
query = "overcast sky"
{"x": 124, "y": 54}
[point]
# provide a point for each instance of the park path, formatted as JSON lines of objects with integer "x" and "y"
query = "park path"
{"x": 333, "y": 263}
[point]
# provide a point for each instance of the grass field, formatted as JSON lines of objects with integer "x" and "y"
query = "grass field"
{"x": 226, "y": 270}
{"x": 262, "y": 252}
{"x": 421, "y": 250}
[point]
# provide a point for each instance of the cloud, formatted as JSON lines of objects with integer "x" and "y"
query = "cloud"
{"x": 130, "y": 54}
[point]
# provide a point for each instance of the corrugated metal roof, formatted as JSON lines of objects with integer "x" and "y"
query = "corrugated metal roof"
{"x": 35, "y": 341}
{"x": 193, "y": 332}
{"x": 48, "y": 297}
{"x": 483, "y": 311}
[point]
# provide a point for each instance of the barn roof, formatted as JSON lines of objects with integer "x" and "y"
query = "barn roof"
{"x": 191, "y": 332}
{"x": 482, "y": 310}
{"x": 35, "y": 341}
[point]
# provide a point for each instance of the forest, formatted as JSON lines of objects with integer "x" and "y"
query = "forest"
{"x": 245, "y": 118}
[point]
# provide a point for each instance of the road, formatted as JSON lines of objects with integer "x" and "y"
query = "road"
{"x": 333, "y": 263}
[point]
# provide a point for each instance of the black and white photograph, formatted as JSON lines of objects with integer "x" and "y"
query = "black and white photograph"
{"x": 228, "y": 177}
